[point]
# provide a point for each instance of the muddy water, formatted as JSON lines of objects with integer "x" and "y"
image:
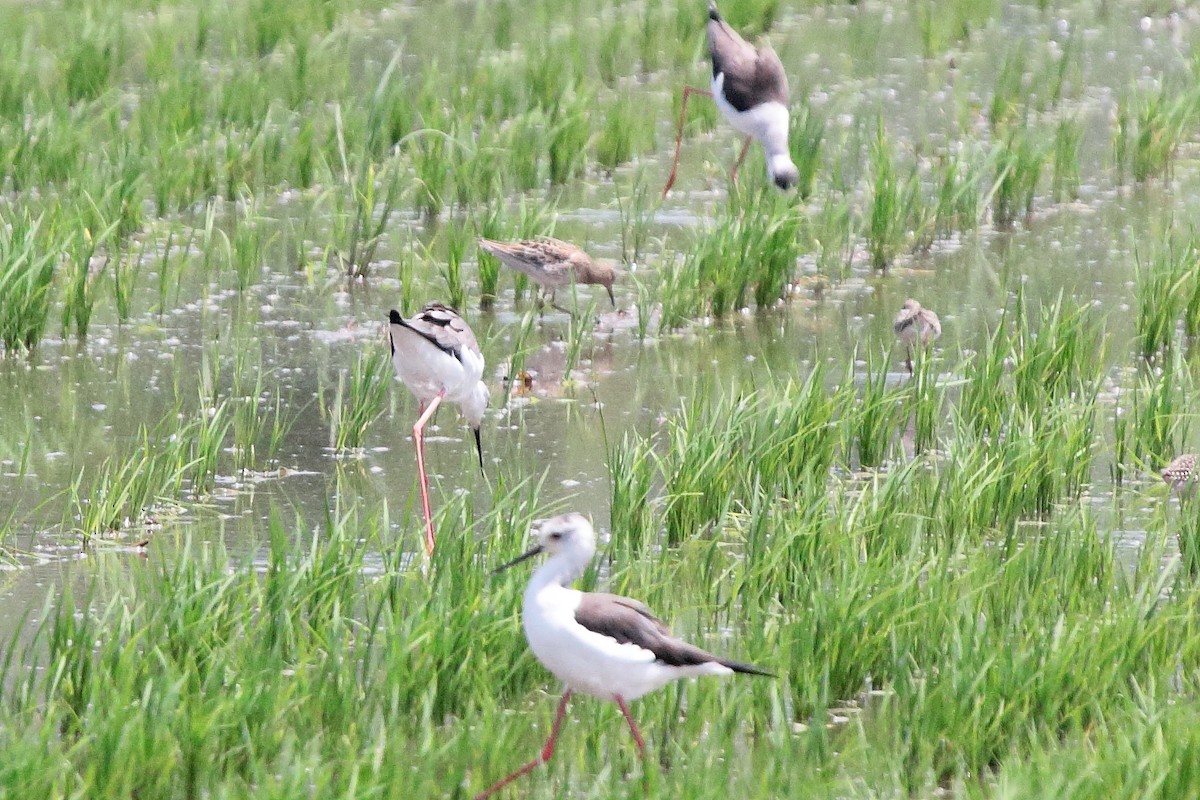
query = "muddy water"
{"x": 73, "y": 404}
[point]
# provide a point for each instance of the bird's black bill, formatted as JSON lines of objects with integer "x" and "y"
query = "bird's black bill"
{"x": 479, "y": 449}
{"x": 611, "y": 299}
{"x": 533, "y": 551}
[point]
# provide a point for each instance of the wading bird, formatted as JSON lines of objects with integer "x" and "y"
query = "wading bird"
{"x": 604, "y": 645}
{"x": 915, "y": 325}
{"x": 1180, "y": 475}
{"x": 553, "y": 264}
{"x": 436, "y": 356}
{"x": 751, "y": 90}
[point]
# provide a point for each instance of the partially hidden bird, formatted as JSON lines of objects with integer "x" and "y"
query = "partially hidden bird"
{"x": 915, "y": 325}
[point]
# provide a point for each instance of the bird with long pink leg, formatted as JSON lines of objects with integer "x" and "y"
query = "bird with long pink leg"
{"x": 603, "y": 645}
{"x": 750, "y": 88}
{"x": 437, "y": 357}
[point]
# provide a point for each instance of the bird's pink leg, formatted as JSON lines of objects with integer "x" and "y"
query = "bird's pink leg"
{"x": 633, "y": 728}
{"x": 542, "y": 758}
{"x": 742, "y": 157}
{"x": 419, "y": 438}
{"x": 687, "y": 90}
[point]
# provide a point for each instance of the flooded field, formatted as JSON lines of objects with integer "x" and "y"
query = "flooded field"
{"x": 969, "y": 581}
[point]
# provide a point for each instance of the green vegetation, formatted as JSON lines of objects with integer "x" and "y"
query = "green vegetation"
{"x": 963, "y": 578}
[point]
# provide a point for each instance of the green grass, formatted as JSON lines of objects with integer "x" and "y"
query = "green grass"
{"x": 977, "y": 612}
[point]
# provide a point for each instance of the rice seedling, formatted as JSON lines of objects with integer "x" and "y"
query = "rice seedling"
{"x": 1019, "y": 160}
{"x": 521, "y": 348}
{"x": 360, "y": 400}
{"x": 631, "y": 474}
{"x": 212, "y": 426}
{"x": 1007, "y": 105}
{"x": 86, "y": 272}
{"x": 372, "y": 200}
{"x": 637, "y": 215}
{"x": 126, "y": 269}
{"x": 625, "y": 132}
{"x": 1162, "y": 288}
{"x": 248, "y": 423}
{"x": 579, "y": 331}
{"x": 248, "y": 244}
{"x": 894, "y": 205}
{"x": 1150, "y": 128}
{"x": 1159, "y": 422}
{"x": 806, "y": 137}
{"x": 1068, "y": 136}
{"x": 751, "y": 251}
{"x": 28, "y": 255}
{"x": 568, "y": 136}
{"x": 1188, "y": 538}
{"x": 92, "y": 62}
{"x": 427, "y": 153}
{"x": 458, "y": 236}
{"x": 878, "y": 413}
{"x": 1061, "y": 358}
{"x": 835, "y": 233}
{"x": 923, "y": 402}
{"x": 126, "y": 487}
{"x": 956, "y": 205}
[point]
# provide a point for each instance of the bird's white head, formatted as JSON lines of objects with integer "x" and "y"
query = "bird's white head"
{"x": 568, "y": 538}
{"x": 566, "y": 532}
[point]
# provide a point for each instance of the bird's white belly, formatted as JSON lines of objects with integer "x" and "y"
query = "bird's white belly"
{"x": 766, "y": 121}
{"x": 427, "y": 370}
{"x": 589, "y": 662}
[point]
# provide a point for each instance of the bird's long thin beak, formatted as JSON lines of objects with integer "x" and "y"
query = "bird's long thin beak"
{"x": 528, "y": 554}
{"x": 479, "y": 449}
{"x": 611, "y": 298}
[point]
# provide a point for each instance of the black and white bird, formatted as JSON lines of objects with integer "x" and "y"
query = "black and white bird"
{"x": 751, "y": 90}
{"x": 437, "y": 357}
{"x": 602, "y": 645}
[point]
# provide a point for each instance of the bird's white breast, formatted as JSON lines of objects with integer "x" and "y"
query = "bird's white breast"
{"x": 426, "y": 369}
{"x": 767, "y": 122}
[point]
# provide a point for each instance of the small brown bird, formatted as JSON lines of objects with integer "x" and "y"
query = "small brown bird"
{"x": 915, "y": 324}
{"x": 553, "y": 264}
{"x": 1179, "y": 475}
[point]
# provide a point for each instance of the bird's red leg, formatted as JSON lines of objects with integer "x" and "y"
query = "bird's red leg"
{"x": 633, "y": 728}
{"x": 742, "y": 157}
{"x": 542, "y": 758}
{"x": 419, "y": 438}
{"x": 687, "y": 90}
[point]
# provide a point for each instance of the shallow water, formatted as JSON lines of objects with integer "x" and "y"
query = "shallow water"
{"x": 74, "y": 403}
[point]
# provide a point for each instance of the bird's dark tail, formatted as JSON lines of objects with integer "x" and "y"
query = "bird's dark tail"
{"x": 713, "y": 14}
{"x": 746, "y": 669}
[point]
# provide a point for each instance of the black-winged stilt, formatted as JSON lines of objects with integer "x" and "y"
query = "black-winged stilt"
{"x": 436, "y": 356}
{"x": 604, "y": 645}
{"x": 751, "y": 89}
